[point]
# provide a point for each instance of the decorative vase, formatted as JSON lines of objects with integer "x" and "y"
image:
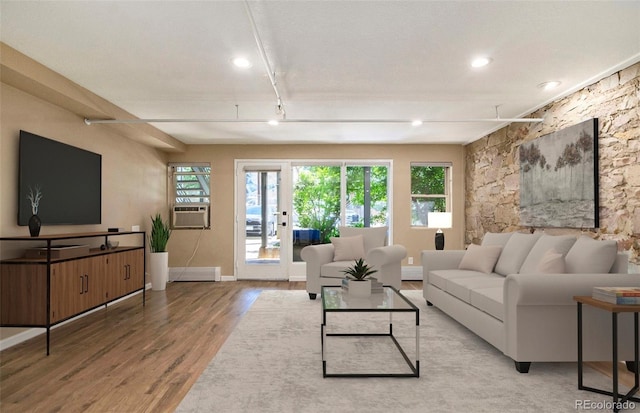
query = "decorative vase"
{"x": 360, "y": 288}
{"x": 159, "y": 269}
{"x": 34, "y": 225}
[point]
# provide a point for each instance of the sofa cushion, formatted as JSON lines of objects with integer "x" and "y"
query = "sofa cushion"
{"x": 561, "y": 244}
{"x": 374, "y": 237}
{"x": 489, "y": 300}
{"x": 439, "y": 278}
{"x": 590, "y": 256}
{"x": 552, "y": 262}
{"x": 348, "y": 248}
{"x": 335, "y": 269}
{"x": 480, "y": 258}
{"x": 496, "y": 238}
{"x": 515, "y": 252}
{"x": 462, "y": 287}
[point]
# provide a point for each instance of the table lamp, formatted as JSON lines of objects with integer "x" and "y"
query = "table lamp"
{"x": 439, "y": 220}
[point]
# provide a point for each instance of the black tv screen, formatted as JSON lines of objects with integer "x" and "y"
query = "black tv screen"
{"x": 69, "y": 179}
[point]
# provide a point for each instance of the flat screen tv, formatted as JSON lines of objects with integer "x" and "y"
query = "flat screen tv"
{"x": 69, "y": 178}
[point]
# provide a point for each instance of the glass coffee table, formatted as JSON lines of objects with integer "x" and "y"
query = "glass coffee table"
{"x": 337, "y": 301}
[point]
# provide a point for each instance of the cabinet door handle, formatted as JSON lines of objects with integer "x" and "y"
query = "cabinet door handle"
{"x": 86, "y": 289}
{"x": 81, "y": 284}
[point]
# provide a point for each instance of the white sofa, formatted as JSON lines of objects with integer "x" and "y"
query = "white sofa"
{"x": 325, "y": 262}
{"x": 516, "y": 291}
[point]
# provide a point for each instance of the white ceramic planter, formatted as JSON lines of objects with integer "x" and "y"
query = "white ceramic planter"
{"x": 159, "y": 270}
{"x": 360, "y": 288}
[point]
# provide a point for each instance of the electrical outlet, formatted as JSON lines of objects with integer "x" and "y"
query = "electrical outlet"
{"x": 410, "y": 260}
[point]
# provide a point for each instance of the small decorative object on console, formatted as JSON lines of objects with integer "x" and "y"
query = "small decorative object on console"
{"x": 34, "y": 222}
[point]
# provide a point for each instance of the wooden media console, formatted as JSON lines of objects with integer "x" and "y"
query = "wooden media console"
{"x": 47, "y": 290}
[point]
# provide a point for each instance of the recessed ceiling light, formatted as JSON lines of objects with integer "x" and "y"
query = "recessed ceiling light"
{"x": 242, "y": 62}
{"x": 480, "y": 62}
{"x": 416, "y": 122}
{"x": 549, "y": 85}
{"x": 273, "y": 122}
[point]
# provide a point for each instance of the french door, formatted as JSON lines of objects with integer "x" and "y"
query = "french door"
{"x": 283, "y": 206}
{"x": 262, "y": 219}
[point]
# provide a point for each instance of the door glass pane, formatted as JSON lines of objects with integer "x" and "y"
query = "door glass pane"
{"x": 262, "y": 238}
{"x": 316, "y": 205}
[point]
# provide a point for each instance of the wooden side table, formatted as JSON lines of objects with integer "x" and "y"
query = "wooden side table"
{"x": 618, "y": 399}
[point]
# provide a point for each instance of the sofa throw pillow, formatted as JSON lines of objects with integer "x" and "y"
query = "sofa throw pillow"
{"x": 515, "y": 252}
{"x": 589, "y": 256}
{"x": 560, "y": 243}
{"x": 480, "y": 258}
{"x": 348, "y": 248}
{"x": 551, "y": 262}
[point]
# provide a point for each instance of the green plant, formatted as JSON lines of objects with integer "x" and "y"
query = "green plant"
{"x": 160, "y": 233}
{"x": 359, "y": 271}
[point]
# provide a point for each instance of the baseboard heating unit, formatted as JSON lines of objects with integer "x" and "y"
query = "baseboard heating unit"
{"x": 194, "y": 274}
{"x": 411, "y": 273}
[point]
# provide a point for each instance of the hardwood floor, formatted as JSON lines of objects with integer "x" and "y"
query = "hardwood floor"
{"x": 130, "y": 358}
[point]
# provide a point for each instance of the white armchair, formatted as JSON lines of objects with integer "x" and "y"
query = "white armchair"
{"x": 326, "y": 262}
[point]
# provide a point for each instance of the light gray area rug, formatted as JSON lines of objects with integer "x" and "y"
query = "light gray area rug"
{"x": 272, "y": 363}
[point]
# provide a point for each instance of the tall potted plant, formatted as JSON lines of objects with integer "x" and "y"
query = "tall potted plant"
{"x": 159, "y": 258}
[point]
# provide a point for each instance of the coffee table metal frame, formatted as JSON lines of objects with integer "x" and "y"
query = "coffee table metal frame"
{"x": 414, "y": 366}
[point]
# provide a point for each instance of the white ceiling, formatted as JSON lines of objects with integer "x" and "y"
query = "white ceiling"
{"x": 332, "y": 60}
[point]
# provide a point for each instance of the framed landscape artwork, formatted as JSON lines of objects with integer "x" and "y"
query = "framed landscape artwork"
{"x": 559, "y": 178}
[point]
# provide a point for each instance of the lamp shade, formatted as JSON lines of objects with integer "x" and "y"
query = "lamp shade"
{"x": 439, "y": 220}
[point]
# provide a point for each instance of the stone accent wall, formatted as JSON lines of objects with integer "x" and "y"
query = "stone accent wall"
{"x": 492, "y": 163}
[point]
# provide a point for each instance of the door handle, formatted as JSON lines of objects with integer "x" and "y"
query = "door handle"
{"x": 86, "y": 289}
{"x": 82, "y": 284}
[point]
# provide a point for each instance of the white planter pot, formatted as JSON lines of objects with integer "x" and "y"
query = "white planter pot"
{"x": 159, "y": 270}
{"x": 360, "y": 288}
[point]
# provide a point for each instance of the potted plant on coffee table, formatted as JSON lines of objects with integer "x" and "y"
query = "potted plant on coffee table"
{"x": 359, "y": 283}
{"x": 159, "y": 258}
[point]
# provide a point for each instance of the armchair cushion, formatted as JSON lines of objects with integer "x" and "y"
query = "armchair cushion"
{"x": 348, "y": 248}
{"x": 373, "y": 236}
{"x": 335, "y": 269}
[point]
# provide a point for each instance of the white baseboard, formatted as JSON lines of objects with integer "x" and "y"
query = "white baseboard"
{"x": 301, "y": 277}
{"x": 20, "y": 337}
{"x": 411, "y": 273}
{"x": 194, "y": 274}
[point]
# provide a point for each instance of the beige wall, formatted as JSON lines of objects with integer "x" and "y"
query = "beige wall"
{"x": 216, "y": 245}
{"x": 493, "y": 165}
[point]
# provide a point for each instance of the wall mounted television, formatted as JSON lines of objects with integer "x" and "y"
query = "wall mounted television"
{"x": 69, "y": 178}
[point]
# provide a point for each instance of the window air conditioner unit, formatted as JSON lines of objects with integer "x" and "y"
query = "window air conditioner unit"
{"x": 192, "y": 216}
